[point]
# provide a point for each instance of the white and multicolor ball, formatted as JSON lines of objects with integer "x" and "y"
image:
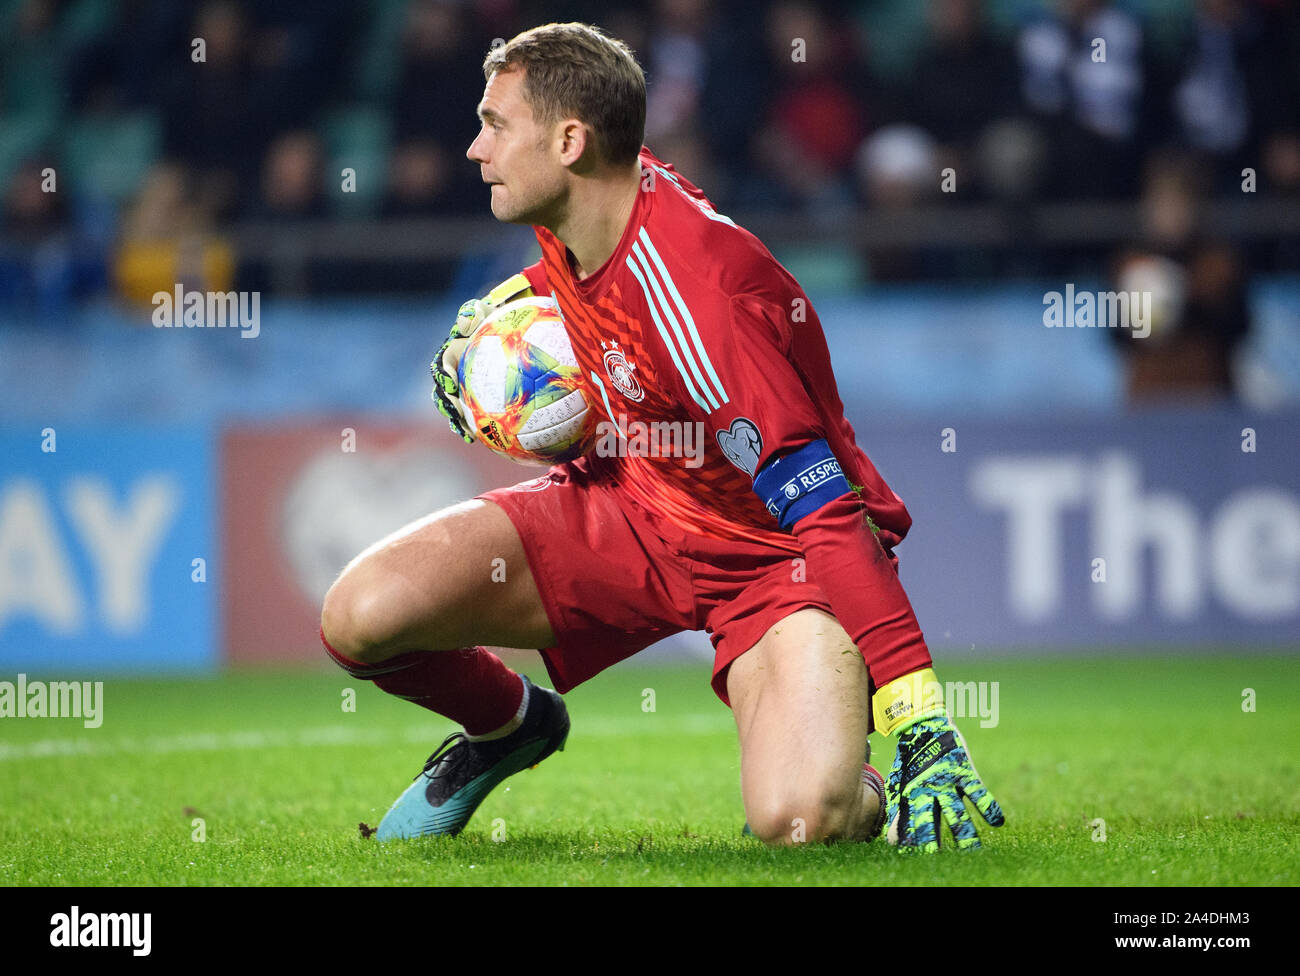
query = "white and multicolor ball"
{"x": 521, "y": 386}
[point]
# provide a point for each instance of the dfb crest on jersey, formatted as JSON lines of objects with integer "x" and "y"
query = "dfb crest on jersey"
{"x": 742, "y": 443}
{"x": 622, "y": 373}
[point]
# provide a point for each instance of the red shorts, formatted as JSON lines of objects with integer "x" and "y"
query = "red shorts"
{"x": 615, "y": 579}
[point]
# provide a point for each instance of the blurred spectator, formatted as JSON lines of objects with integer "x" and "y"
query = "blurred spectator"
{"x": 767, "y": 106}
{"x": 963, "y": 90}
{"x": 1281, "y": 159}
{"x": 212, "y": 112}
{"x": 1278, "y": 106}
{"x": 301, "y": 56}
{"x": 1211, "y": 99}
{"x": 441, "y": 79}
{"x": 31, "y": 212}
{"x": 423, "y": 181}
{"x": 1198, "y": 289}
{"x": 439, "y": 88}
{"x": 1010, "y": 158}
{"x": 737, "y": 84}
{"x": 962, "y": 82}
{"x": 898, "y": 169}
{"x": 676, "y": 64}
{"x": 265, "y": 69}
{"x": 33, "y": 58}
{"x": 292, "y": 180}
{"x": 119, "y": 69}
{"x": 1094, "y": 108}
{"x": 814, "y": 120}
{"x": 37, "y": 268}
{"x": 1230, "y": 73}
{"x": 167, "y": 241}
{"x": 689, "y": 156}
{"x": 631, "y": 26}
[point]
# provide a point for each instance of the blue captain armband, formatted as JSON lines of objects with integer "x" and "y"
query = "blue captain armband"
{"x": 799, "y": 483}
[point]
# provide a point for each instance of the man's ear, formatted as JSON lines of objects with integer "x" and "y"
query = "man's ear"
{"x": 576, "y": 146}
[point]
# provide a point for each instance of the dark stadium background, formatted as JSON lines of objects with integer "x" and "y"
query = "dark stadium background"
{"x": 177, "y": 500}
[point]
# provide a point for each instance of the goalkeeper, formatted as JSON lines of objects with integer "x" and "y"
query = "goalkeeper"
{"x": 780, "y": 544}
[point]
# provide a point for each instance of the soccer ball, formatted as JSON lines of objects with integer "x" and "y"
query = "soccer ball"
{"x": 521, "y": 387}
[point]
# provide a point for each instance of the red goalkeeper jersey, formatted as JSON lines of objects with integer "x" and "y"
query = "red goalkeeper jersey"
{"x": 693, "y": 320}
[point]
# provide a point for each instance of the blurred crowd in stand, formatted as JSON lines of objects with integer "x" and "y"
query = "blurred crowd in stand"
{"x": 137, "y": 137}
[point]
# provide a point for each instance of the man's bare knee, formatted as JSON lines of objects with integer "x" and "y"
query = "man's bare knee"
{"x": 357, "y": 622}
{"x": 809, "y": 816}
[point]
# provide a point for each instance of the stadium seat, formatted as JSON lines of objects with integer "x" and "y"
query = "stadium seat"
{"x": 357, "y": 137}
{"x": 108, "y": 157}
{"x": 21, "y": 138}
{"x": 380, "y": 56}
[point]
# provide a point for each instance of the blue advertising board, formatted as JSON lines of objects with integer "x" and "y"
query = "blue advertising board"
{"x": 1176, "y": 528}
{"x": 107, "y": 549}
{"x": 1171, "y": 530}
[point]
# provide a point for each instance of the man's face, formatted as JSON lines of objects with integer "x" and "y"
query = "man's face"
{"x": 515, "y": 154}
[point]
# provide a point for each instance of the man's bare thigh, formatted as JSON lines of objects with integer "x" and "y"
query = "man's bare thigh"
{"x": 456, "y": 578}
{"x": 801, "y": 699}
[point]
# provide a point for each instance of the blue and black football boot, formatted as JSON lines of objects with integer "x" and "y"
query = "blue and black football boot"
{"x": 461, "y": 772}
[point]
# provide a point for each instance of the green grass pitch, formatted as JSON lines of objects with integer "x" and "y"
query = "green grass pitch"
{"x": 1193, "y": 790}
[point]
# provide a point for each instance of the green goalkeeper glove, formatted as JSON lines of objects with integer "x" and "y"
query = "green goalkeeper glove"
{"x": 446, "y": 364}
{"x": 932, "y": 770}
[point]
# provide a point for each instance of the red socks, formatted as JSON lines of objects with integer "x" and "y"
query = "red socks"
{"x": 470, "y": 686}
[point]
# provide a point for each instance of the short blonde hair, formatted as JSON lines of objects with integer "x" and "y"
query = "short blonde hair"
{"x": 576, "y": 70}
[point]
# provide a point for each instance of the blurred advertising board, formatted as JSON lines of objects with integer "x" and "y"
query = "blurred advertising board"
{"x": 299, "y": 500}
{"x": 155, "y": 549}
{"x": 1163, "y": 527}
{"x": 108, "y": 549}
